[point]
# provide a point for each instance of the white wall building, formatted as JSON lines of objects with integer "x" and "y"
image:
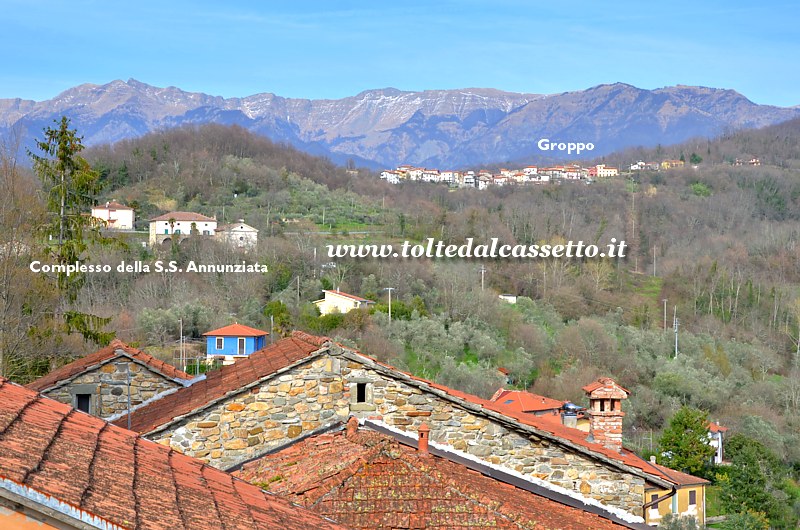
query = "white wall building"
{"x": 116, "y": 216}
{"x": 238, "y": 235}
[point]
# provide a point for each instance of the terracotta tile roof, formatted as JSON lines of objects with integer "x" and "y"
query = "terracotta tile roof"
{"x": 92, "y": 469}
{"x": 283, "y": 353}
{"x": 716, "y": 427}
{"x": 183, "y": 216}
{"x": 218, "y": 383}
{"x": 351, "y": 296}
{"x": 679, "y": 478}
{"x": 522, "y": 401}
{"x": 117, "y": 348}
{"x": 603, "y": 382}
{"x": 367, "y": 480}
{"x": 235, "y": 330}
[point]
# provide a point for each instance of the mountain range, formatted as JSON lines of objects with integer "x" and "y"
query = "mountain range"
{"x": 388, "y": 127}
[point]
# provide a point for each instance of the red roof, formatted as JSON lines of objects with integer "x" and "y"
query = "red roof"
{"x": 229, "y": 378}
{"x": 236, "y": 330}
{"x": 604, "y": 382}
{"x": 117, "y": 348}
{"x": 267, "y": 361}
{"x": 521, "y": 401}
{"x": 351, "y": 296}
{"x": 366, "y": 480}
{"x": 183, "y": 216}
{"x": 716, "y": 427}
{"x": 80, "y": 465}
{"x": 679, "y": 478}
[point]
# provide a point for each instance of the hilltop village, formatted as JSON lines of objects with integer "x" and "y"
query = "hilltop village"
{"x": 485, "y": 178}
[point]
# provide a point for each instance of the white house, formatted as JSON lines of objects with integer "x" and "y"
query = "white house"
{"x": 115, "y": 215}
{"x": 238, "y": 235}
{"x": 339, "y": 302}
{"x": 392, "y": 177}
{"x": 180, "y": 224}
{"x": 606, "y": 171}
{"x": 715, "y": 435}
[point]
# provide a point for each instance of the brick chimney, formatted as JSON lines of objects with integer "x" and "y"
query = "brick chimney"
{"x": 424, "y": 431}
{"x": 605, "y": 412}
{"x": 352, "y": 428}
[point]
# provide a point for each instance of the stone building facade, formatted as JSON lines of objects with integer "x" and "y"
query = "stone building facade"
{"x": 334, "y": 383}
{"x": 99, "y": 383}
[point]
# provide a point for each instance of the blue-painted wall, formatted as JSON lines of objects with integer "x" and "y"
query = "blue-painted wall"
{"x": 230, "y": 345}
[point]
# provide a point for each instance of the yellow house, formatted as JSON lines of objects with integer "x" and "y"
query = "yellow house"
{"x": 339, "y": 302}
{"x": 669, "y": 164}
{"x": 687, "y": 497}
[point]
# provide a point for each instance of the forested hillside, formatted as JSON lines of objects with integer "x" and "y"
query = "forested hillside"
{"x": 719, "y": 244}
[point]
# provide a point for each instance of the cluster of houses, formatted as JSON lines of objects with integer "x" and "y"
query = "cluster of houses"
{"x": 338, "y": 439}
{"x": 527, "y": 175}
{"x": 177, "y": 226}
{"x": 484, "y": 178}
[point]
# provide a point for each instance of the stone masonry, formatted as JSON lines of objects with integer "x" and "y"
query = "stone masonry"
{"x": 322, "y": 391}
{"x": 108, "y": 386}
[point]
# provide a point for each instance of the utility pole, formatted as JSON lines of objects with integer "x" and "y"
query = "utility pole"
{"x": 483, "y": 272}
{"x": 675, "y": 325}
{"x": 298, "y": 290}
{"x": 654, "y": 260}
{"x": 180, "y": 347}
{"x": 390, "y": 289}
{"x": 665, "y": 313}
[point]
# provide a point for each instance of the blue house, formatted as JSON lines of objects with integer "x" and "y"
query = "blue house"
{"x": 235, "y": 340}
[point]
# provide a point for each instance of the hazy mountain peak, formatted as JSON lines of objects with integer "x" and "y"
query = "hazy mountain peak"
{"x": 446, "y": 128}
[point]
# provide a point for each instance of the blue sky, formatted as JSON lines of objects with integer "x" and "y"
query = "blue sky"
{"x": 333, "y": 49}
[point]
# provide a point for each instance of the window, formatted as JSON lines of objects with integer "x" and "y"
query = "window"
{"x": 653, "y": 497}
{"x": 692, "y": 498}
{"x": 83, "y": 402}
{"x": 361, "y": 392}
{"x": 241, "y": 346}
{"x": 602, "y": 405}
{"x": 166, "y": 231}
{"x": 177, "y": 230}
{"x": 220, "y": 343}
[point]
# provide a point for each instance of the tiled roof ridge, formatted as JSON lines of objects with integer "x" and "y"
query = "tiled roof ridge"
{"x": 225, "y": 381}
{"x": 108, "y": 482}
{"x": 347, "y": 295}
{"x": 450, "y": 453}
{"x": 316, "y": 340}
{"x": 677, "y": 476}
{"x": 80, "y": 365}
{"x": 563, "y": 435}
{"x": 231, "y": 330}
{"x": 180, "y": 215}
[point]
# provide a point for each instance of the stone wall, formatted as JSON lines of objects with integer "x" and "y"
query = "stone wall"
{"x": 266, "y": 416}
{"x": 323, "y": 391}
{"x": 109, "y": 389}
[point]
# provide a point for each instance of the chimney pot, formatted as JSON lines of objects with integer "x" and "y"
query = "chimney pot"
{"x": 424, "y": 431}
{"x": 652, "y": 459}
{"x": 352, "y": 427}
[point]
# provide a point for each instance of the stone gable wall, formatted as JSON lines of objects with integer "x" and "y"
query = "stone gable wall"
{"x": 108, "y": 383}
{"x": 322, "y": 391}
